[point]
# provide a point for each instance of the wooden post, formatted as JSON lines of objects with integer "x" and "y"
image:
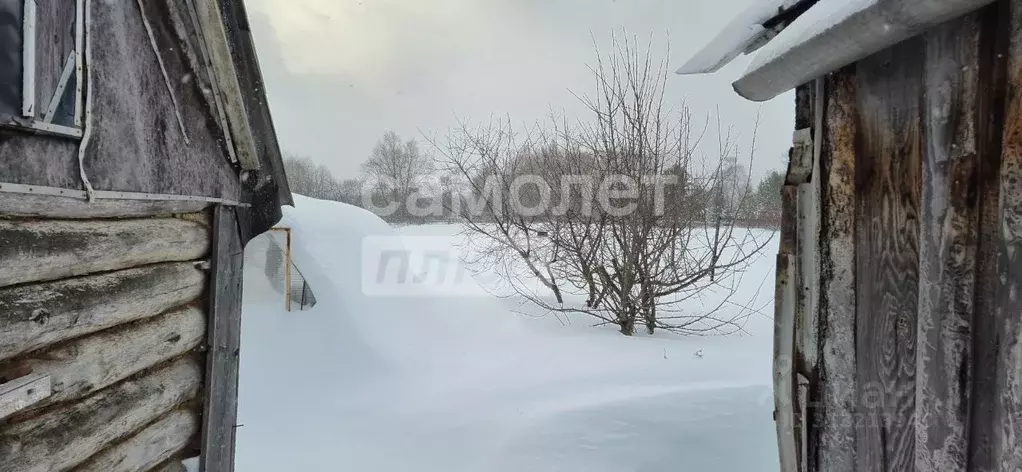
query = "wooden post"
{"x": 287, "y": 267}
{"x": 220, "y": 408}
{"x": 834, "y": 433}
{"x": 784, "y": 334}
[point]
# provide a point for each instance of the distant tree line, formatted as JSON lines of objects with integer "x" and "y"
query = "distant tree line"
{"x": 395, "y": 180}
{"x": 403, "y": 185}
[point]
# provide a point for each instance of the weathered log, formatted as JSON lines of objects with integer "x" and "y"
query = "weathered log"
{"x": 834, "y": 409}
{"x": 173, "y": 465}
{"x": 148, "y": 449}
{"x": 176, "y": 465}
{"x": 65, "y": 437}
{"x": 38, "y": 315}
{"x": 92, "y": 363}
{"x": 51, "y": 206}
{"x": 53, "y": 249}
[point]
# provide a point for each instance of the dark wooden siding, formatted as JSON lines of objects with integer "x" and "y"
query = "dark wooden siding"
{"x": 224, "y": 340}
{"x": 137, "y": 144}
{"x": 887, "y": 164}
{"x": 919, "y": 320}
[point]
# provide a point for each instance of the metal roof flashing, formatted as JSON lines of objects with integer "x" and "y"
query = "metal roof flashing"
{"x": 824, "y": 36}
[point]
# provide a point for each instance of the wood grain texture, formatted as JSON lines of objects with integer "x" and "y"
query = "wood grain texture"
{"x": 887, "y": 255}
{"x": 150, "y": 447}
{"x": 226, "y": 77}
{"x": 987, "y": 322}
{"x": 947, "y": 246}
{"x": 785, "y": 295}
{"x": 833, "y": 439}
{"x": 800, "y": 163}
{"x": 224, "y": 340}
{"x": 55, "y": 33}
{"x": 784, "y": 383}
{"x": 136, "y": 145}
{"x": 38, "y": 315}
{"x": 91, "y": 363}
{"x": 53, "y": 249}
{"x": 46, "y": 206}
{"x": 24, "y": 392}
{"x": 807, "y": 269}
{"x": 935, "y": 146}
{"x": 65, "y": 437}
{"x": 1007, "y": 414}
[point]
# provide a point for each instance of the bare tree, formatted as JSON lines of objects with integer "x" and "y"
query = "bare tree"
{"x": 609, "y": 214}
{"x": 350, "y": 191}
{"x": 396, "y": 168}
{"x": 310, "y": 179}
{"x": 489, "y": 161}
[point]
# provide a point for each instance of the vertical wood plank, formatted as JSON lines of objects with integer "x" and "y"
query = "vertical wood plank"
{"x": 986, "y": 328}
{"x": 887, "y": 255}
{"x": 1007, "y": 417}
{"x": 807, "y": 210}
{"x": 947, "y": 247}
{"x": 808, "y": 115}
{"x": 784, "y": 333}
{"x": 221, "y": 403}
{"x": 833, "y": 426}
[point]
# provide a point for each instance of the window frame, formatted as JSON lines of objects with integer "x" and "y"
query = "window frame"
{"x": 30, "y": 117}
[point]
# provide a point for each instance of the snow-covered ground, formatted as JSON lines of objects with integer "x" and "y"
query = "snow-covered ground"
{"x": 447, "y": 382}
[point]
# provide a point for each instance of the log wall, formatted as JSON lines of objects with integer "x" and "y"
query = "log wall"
{"x": 112, "y": 310}
{"x": 907, "y": 343}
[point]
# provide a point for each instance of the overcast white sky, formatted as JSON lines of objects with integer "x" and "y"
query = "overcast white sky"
{"x": 341, "y": 72}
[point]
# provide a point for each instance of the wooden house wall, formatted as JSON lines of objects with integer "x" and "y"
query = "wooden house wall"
{"x": 904, "y": 246}
{"x": 137, "y": 144}
{"x": 114, "y": 310}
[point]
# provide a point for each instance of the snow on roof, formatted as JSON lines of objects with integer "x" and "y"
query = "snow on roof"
{"x": 821, "y": 17}
{"x": 834, "y": 33}
{"x": 742, "y": 34}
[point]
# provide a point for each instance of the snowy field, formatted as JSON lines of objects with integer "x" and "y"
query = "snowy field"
{"x": 447, "y": 382}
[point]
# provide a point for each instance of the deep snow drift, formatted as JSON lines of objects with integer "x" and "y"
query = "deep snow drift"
{"x": 371, "y": 382}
